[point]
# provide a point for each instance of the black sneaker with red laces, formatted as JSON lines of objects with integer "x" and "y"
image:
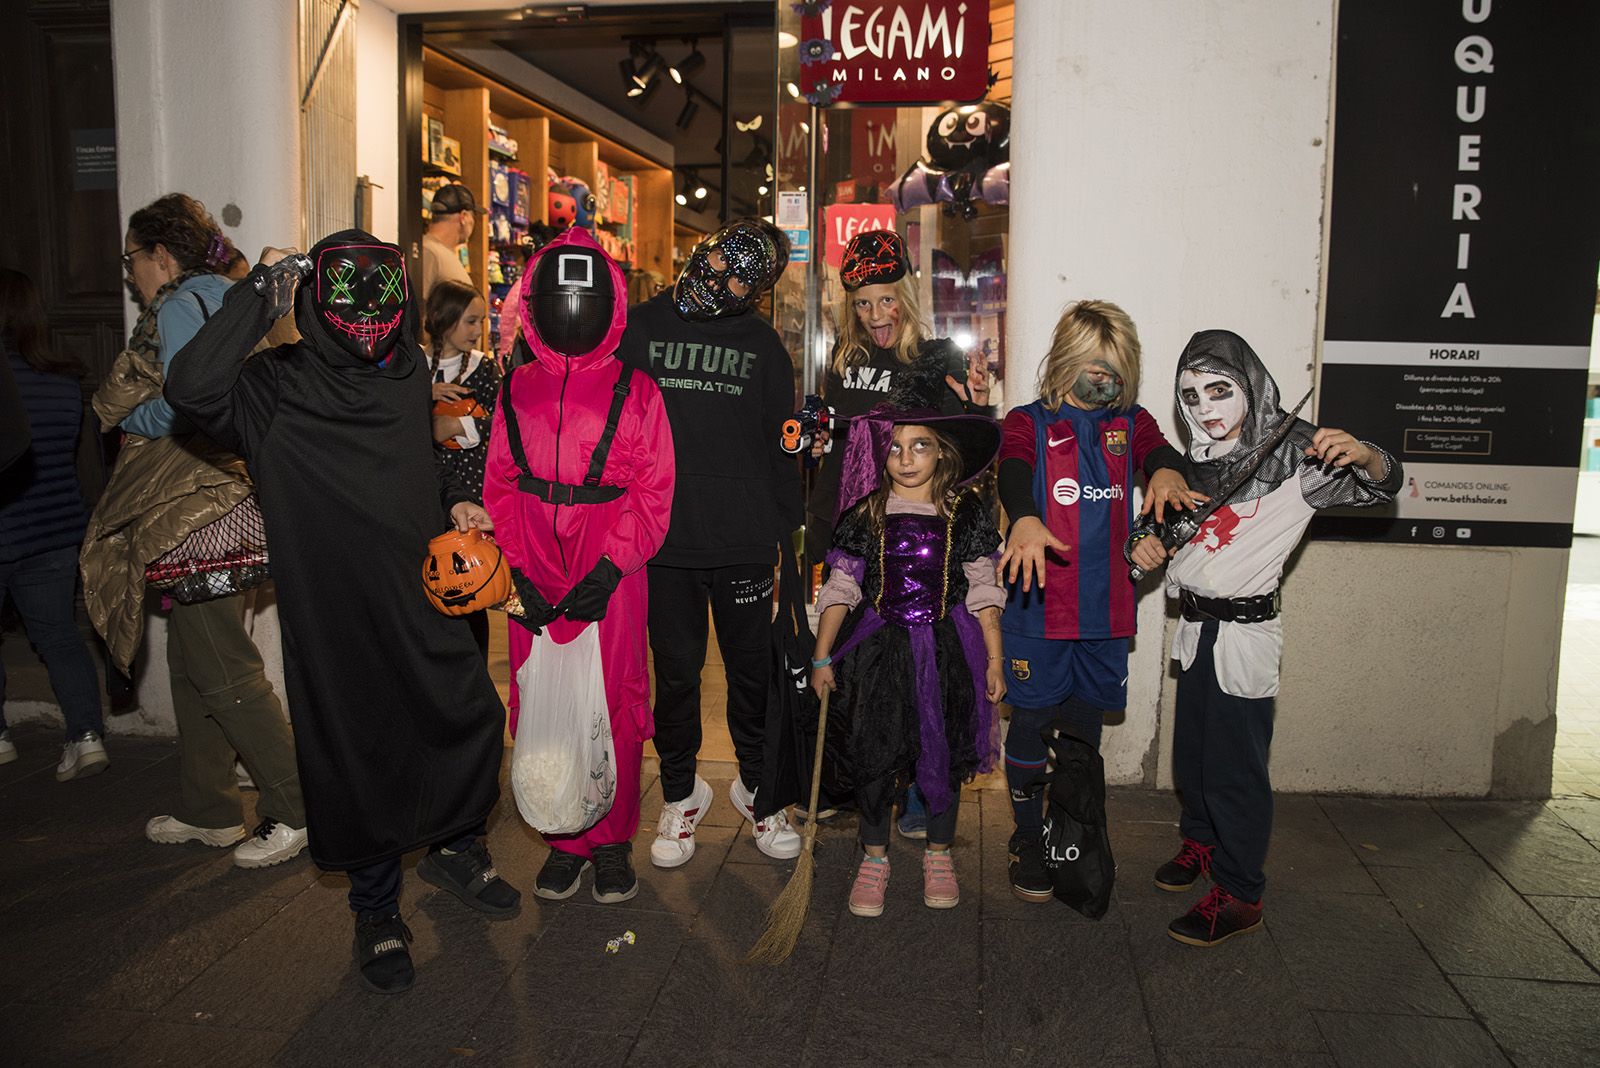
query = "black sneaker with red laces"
{"x": 1215, "y": 918}
{"x": 1179, "y": 873}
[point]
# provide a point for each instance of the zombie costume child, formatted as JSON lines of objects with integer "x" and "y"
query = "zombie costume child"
{"x": 1068, "y": 461}
{"x": 1226, "y": 581}
{"x": 909, "y": 659}
{"x": 579, "y": 484}
{"x": 728, "y": 385}
{"x": 397, "y": 725}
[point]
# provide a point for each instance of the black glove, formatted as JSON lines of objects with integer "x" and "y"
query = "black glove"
{"x": 587, "y": 600}
{"x": 537, "y": 612}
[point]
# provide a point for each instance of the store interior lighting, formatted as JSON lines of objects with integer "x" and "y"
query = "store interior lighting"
{"x": 686, "y": 115}
{"x": 681, "y": 70}
{"x": 646, "y": 75}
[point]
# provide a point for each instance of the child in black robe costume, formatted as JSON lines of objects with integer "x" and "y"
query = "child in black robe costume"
{"x": 398, "y": 727}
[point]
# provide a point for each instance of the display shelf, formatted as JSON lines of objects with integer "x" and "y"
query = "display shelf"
{"x": 467, "y": 100}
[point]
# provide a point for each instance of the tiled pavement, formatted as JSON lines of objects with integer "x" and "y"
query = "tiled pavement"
{"x": 1398, "y": 932}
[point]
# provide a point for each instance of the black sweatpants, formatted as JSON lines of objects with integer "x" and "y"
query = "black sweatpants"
{"x": 740, "y": 597}
{"x": 375, "y": 889}
{"x": 1220, "y": 745}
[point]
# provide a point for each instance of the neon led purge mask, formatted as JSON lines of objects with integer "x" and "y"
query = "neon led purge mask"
{"x": 573, "y": 301}
{"x": 727, "y": 272}
{"x": 361, "y": 296}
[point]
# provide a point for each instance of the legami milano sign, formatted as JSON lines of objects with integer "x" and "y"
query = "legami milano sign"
{"x": 897, "y": 51}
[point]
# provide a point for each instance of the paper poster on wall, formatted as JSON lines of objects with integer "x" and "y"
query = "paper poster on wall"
{"x": 1464, "y": 233}
{"x": 793, "y": 212}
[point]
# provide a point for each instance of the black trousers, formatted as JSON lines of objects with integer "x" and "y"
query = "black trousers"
{"x": 1220, "y": 745}
{"x": 879, "y": 797}
{"x": 375, "y": 889}
{"x": 740, "y": 598}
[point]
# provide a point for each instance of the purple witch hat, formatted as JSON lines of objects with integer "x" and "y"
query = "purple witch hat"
{"x": 922, "y": 398}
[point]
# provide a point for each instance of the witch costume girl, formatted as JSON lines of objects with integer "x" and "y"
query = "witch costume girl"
{"x": 914, "y": 604}
{"x": 398, "y": 727}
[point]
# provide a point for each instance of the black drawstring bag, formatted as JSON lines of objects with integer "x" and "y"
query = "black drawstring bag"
{"x": 786, "y": 749}
{"x": 1077, "y": 849}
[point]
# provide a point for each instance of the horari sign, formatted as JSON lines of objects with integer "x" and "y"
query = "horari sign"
{"x": 1463, "y": 236}
{"x": 894, "y": 51}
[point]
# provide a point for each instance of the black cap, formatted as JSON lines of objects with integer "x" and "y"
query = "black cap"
{"x": 450, "y": 199}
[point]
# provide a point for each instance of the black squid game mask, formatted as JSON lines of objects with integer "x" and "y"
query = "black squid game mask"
{"x": 361, "y": 296}
{"x": 572, "y": 301}
{"x": 728, "y": 271}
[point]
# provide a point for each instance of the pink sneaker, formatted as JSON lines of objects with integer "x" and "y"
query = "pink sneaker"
{"x": 939, "y": 889}
{"x": 866, "y": 893}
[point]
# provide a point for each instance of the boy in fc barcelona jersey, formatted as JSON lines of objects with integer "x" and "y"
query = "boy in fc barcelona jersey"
{"x": 1067, "y": 465}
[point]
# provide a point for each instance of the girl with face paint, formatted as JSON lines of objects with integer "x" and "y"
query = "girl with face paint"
{"x": 1067, "y": 472}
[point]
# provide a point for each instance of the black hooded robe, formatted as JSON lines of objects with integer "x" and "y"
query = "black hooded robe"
{"x": 398, "y": 728}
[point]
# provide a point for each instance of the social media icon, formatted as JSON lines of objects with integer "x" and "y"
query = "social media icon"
{"x": 1463, "y": 532}
{"x": 1438, "y": 532}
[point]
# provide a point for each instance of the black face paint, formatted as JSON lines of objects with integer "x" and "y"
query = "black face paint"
{"x": 748, "y": 261}
{"x": 572, "y": 300}
{"x": 361, "y": 294}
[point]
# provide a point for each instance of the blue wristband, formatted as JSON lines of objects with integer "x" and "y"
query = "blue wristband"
{"x": 824, "y": 662}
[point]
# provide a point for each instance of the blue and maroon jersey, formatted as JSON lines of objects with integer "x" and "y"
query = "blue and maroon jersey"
{"x": 1084, "y": 463}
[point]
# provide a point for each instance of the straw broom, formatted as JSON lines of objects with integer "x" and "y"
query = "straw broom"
{"x": 788, "y": 914}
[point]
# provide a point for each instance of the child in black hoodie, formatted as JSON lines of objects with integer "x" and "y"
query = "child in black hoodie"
{"x": 728, "y": 385}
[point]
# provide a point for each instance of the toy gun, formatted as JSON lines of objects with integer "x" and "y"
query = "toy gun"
{"x": 1179, "y": 531}
{"x": 278, "y": 282}
{"x": 813, "y": 418}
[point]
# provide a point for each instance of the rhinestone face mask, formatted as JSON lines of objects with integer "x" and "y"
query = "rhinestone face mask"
{"x": 726, "y": 273}
{"x": 360, "y": 296}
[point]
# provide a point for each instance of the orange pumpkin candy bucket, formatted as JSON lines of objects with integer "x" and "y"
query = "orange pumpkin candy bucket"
{"x": 465, "y": 573}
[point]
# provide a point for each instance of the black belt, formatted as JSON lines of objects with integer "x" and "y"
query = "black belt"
{"x": 1231, "y": 609}
{"x": 565, "y": 493}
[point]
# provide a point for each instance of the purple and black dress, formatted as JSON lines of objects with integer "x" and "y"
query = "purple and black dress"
{"x": 910, "y": 661}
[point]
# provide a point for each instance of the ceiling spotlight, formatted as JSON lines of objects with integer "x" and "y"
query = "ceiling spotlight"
{"x": 682, "y": 200}
{"x": 787, "y": 39}
{"x": 699, "y": 192}
{"x": 686, "y": 116}
{"x": 641, "y": 94}
{"x": 688, "y": 64}
{"x": 647, "y": 74}
{"x": 794, "y": 90}
{"x": 761, "y": 189}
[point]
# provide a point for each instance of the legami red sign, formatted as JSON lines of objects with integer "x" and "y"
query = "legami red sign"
{"x": 896, "y": 52}
{"x": 845, "y": 221}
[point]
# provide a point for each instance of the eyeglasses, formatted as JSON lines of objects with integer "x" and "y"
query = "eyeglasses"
{"x": 127, "y": 257}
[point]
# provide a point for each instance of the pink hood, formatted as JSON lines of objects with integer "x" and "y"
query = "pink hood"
{"x": 518, "y": 312}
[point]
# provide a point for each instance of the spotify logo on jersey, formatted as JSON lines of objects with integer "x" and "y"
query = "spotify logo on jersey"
{"x": 1066, "y": 491}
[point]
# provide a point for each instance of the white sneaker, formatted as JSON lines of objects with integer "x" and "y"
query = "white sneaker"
{"x": 674, "y": 843}
{"x": 271, "y": 843}
{"x": 8, "y": 750}
{"x": 773, "y": 835}
{"x": 84, "y": 755}
{"x": 169, "y": 830}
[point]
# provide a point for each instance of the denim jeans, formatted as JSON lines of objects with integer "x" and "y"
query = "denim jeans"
{"x": 44, "y": 588}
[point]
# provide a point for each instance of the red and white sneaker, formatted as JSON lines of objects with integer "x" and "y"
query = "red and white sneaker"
{"x": 872, "y": 882}
{"x": 674, "y": 843}
{"x": 773, "y": 835}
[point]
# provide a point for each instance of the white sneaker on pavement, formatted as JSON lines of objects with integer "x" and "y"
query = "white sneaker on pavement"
{"x": 270, "y": 843}
{"x": 773, "y": 835}
{"x": 8, "y": 749}
{"x": 84, "y": 755}
{"x": 674, "y": 843}
{"x": 169, "y": 830}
